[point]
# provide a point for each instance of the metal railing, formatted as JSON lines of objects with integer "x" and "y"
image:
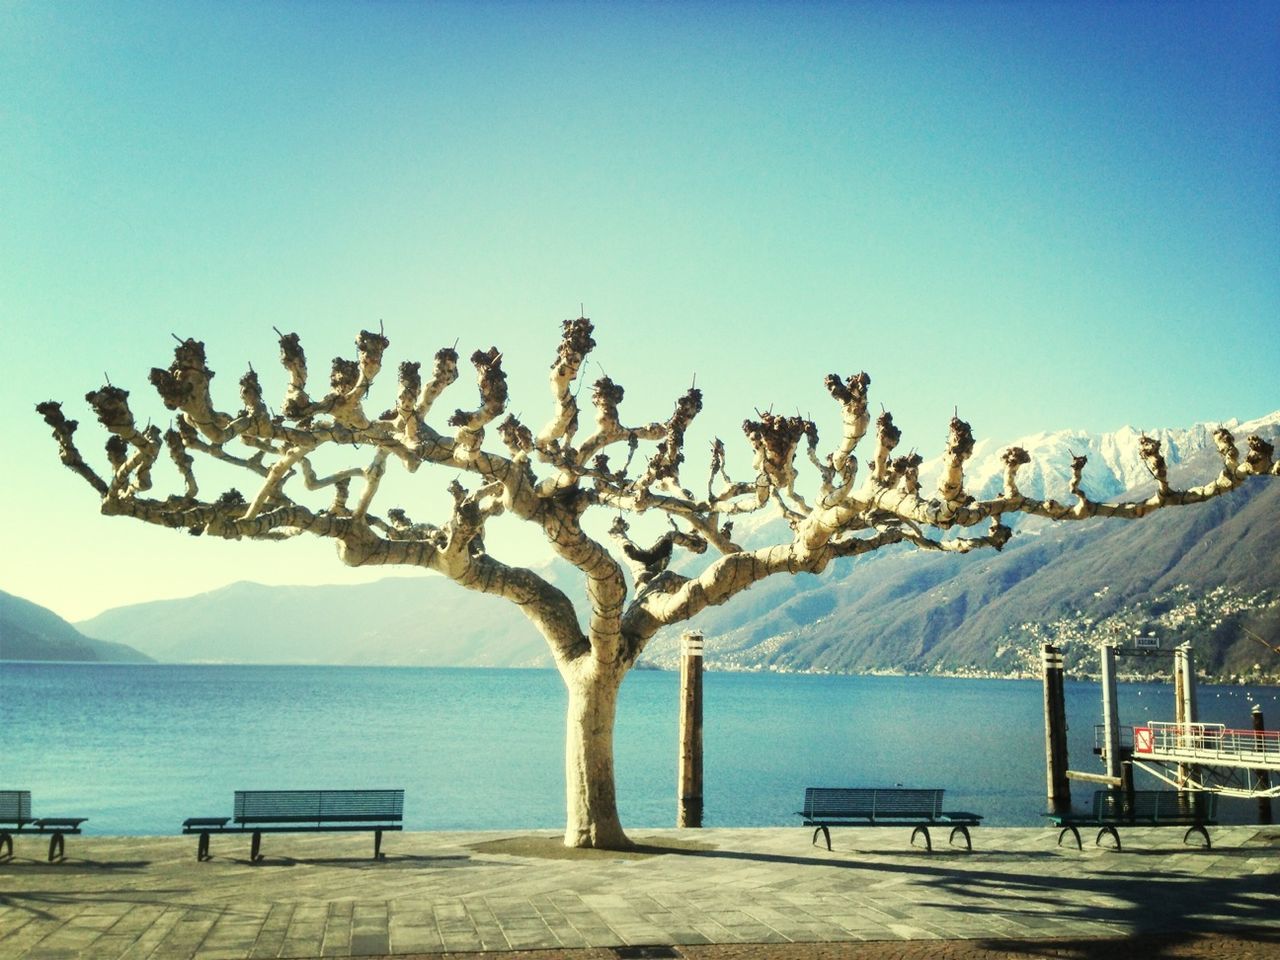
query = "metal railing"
{"x": 1100, "y": 737}
{"x": 1208, "y": 742}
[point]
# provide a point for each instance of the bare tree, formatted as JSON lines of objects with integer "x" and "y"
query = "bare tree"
{"x": 551, "y": 479}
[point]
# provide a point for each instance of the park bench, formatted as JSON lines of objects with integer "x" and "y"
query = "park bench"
{"x": 1194, "y": 809}
{"x": 15, "y": 818}
{"x": 826, "y": 807}
{"x": 302, "y": 811}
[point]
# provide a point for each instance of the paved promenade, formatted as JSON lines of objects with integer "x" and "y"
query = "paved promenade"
{"x": 321, "y": 895}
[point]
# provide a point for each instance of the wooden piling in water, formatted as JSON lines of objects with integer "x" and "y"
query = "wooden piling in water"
{"x": 1110, "y": 712}
{"x": 689, "y": 778}
{"x": 1055, "y": 731}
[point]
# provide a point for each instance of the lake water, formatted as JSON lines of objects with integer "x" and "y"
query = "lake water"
{"x": 138, "y": 748}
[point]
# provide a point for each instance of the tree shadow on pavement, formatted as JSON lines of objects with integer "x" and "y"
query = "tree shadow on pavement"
{"x": 1166, "y": 906}
{"x": 28, "y": 901}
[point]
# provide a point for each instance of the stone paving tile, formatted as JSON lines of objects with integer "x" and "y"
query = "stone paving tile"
{"x": 710, "y": 932}
{"x": 136, "y": 920}
{"x": 236, "y": 938}
{"x": 150, "y": 937}
{"x": 228, "y": 952}
{"x": 337, "y": 930}
{"x": 458, "y": 937}
{"x": 487, "y": 925}
{"x": 561, "y": 926}
{"x": 529, "y": 937}
{"x": 302, "y": 940}
{"x": 370, "y": 944}
{"x": 184, "y": 938}
{"x": 272, "y": 932}
{"x": 112, "y": 946}
{"x": 415, "y": 939}
{"x": 147, "y": 899}
{"x": 19, "y": 934}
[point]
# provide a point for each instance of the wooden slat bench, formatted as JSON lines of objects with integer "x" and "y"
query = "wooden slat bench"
{"x": 302, "y": 811}
{"x": 826, "y": 807}
{"x": 1193, "y": 809}
{"x": 15, "y": 818}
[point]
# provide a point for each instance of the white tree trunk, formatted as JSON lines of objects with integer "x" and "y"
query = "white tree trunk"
{"x": 590, "y": 797}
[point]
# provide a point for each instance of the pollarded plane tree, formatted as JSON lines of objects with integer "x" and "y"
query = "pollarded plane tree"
{"x": 551, "y": 479}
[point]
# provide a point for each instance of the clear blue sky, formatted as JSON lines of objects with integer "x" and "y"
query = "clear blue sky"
{"x": 1050, "y": 214}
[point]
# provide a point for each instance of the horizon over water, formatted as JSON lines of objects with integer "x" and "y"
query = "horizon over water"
{"x": 137, "y": 748}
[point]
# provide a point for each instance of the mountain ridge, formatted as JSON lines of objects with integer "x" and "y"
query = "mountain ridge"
{"x": 396, "y": 621}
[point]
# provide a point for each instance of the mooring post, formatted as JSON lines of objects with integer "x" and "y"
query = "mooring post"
{"x": 1184, "y": 690}
{"x": 689, "y": 785}
{"x": 1189, "y": 683}
{"x": 1262, "y": 777}
{"x": 1055, "y": 731}
{"x": 1110, "y": 712}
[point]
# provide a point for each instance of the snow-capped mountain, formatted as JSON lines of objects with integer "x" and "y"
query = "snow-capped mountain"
{"x": 1114, "y": 464}
{"x": 1114, "y": 467}
{"x": 900, "y": 609}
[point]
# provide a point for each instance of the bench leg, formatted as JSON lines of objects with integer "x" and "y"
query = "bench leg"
{"x": 1114, "y": 836}
{"x": 202, "y": 847}
{"x": 1198, "y": 828}
{"x": 928, "y": 844}
{"x": 825, "y": 833}
{"x": 254, "y": 855}
{"x": 56, "y": 846}
{"x": 964, "y": 831}
{"x": 377, "y": 845}
{"x": 1074, "y": 832}
{"x": 6, "y": 842}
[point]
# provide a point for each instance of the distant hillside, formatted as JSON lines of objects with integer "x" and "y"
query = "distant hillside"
{"x": 30, "y": 632}
{"x": 420, "y": 620}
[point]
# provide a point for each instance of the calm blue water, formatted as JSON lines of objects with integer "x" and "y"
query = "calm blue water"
{"x": 139, "y": 748}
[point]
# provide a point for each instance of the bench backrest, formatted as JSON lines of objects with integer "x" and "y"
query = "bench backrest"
{"x": 871, "y": 802}
{"x": 1170, "y": 806}
{"x": 15, "y": 806}
{"x": 318, "y": 806}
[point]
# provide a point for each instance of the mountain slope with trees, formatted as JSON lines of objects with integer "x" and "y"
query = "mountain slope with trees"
{"x": 989, "y": 614}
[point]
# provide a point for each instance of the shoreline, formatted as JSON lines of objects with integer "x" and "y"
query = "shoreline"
{"x": 711, "y": 665}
